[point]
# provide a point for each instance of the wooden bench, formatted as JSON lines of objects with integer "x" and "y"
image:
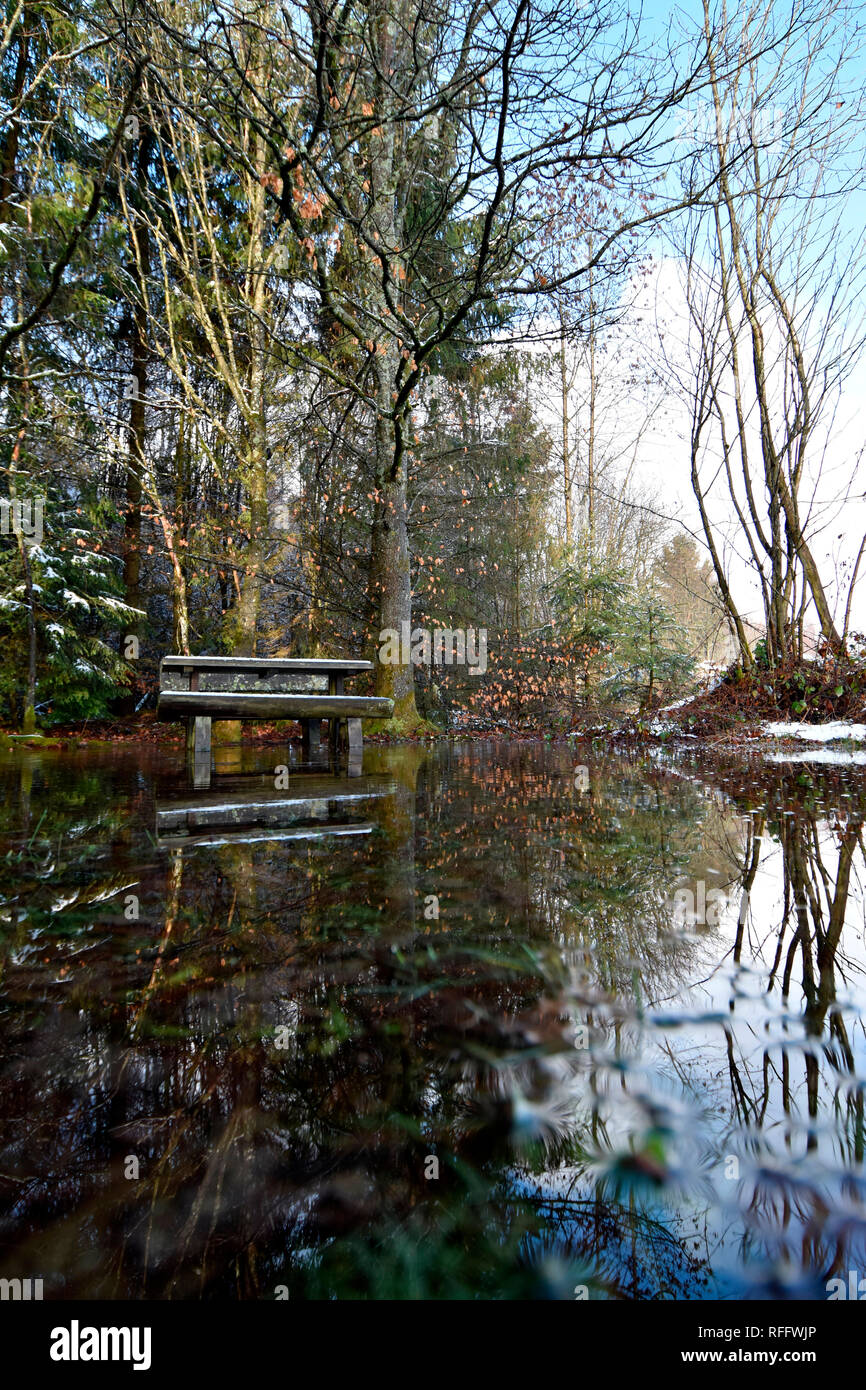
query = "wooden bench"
{"x": 203, "y": 688}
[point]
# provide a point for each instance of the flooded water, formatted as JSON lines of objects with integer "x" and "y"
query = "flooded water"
{"x": 472, "y": 1022}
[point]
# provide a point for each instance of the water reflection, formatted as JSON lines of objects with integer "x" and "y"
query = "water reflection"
{"x": 444, "y": 1027}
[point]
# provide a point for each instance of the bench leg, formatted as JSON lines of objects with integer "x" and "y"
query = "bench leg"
{"x": 311, "y": 733}
{"x": 198, "y": 736}
{"x": 201, "y": 774}
{"x": 356, "y": 735}
{"x": 202, "y": 736}
{"x": 335, "y": 687}
{"x": 198, "y": 746}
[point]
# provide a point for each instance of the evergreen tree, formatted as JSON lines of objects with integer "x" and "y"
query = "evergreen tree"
{"x": 651, "y": 651}
{"x": 68, "y": 593}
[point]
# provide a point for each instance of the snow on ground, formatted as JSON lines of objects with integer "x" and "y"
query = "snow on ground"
{"x": 665, "y": 726}
{"x": 677, "y": 704}
{"x": 818, "y": 733}
{"x": 836, "y": 756}
{"x": 705, "y": 690}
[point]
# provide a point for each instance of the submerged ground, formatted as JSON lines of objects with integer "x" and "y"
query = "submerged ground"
{"x": 486, "y": 1021}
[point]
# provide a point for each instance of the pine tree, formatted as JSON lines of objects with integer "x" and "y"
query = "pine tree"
{"x": 76, "y": 606}
{"x": 651, "y": 651}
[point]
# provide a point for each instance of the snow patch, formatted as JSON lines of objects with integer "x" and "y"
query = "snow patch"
{"x": 705, "y": 690}
{"x": 836, "y": 730}
{"x": 76, "y": 600}
{"x": 836, "y": 756}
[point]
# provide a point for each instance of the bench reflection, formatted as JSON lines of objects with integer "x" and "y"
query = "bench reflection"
{"x": 311, "y": 806}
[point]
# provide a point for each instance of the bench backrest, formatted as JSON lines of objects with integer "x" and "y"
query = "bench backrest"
{"x": 236, "y": 674}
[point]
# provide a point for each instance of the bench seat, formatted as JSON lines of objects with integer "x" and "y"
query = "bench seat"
{"x": 183, "y": 704}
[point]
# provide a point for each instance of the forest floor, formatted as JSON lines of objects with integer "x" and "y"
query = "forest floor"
{"x": 812, "y": 701}
{"x": 795, "y": 702}
{"x": 144, "y": 729}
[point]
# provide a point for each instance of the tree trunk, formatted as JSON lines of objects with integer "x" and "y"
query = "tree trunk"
{"x": 390, "y": 575}
{"x": 390, "y": 572}
{"x": 9, "y": 164}
{"x": 135, "y": 464}
{"x": 28, "y": 722}
{"x": 245, "y": 617}
{"x": 566, "y": 474}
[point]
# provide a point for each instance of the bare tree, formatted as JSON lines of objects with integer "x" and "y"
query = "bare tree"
{"x": 773, "y": 286}
{"x": 208, "y": 298}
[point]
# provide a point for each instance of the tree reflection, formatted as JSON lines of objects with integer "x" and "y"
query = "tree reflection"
{"x": 283, "y": 1039}
{"x": 818, "y": 1220}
